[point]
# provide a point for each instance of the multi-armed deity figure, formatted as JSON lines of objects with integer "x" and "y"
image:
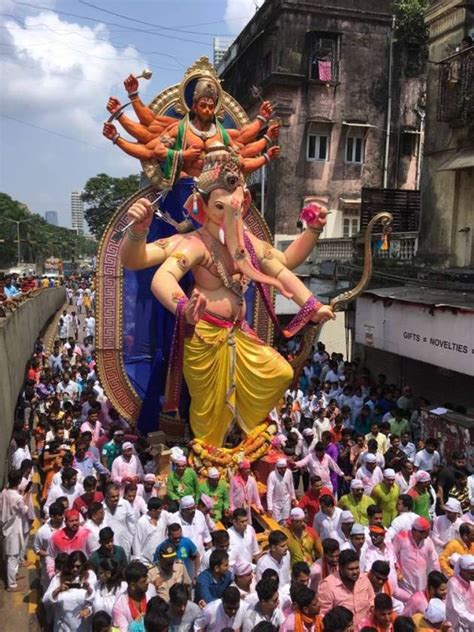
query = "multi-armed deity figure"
{"x": 232, "y": 376}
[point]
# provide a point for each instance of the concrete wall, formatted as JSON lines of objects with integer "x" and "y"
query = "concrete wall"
{"x": 18, "y": 333}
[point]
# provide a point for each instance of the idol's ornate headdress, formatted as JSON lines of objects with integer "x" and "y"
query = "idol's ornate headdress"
{"x": 221, "y": 170}
{"x": 205, "y": 88}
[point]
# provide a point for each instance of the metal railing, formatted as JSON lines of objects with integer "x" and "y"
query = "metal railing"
{"x": 456, "y": 88}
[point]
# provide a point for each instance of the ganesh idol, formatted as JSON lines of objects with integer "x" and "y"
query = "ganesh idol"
{"x": 232, "y": 375}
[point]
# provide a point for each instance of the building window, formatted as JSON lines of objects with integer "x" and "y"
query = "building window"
{"x": 317, "y": 147}
{"x": 323, "y": 58}
{"x": 350, "y": 226}
{"x": 355, "y": 149}
{"x": 408, "y": 143}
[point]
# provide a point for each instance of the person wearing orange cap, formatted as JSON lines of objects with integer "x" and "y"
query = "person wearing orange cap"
{"x": 416, "y": 555}
{"x": 244, "y": 490}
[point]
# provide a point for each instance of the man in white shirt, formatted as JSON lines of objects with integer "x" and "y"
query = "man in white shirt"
{"x": 446, "y": 528}
{"x": 22, "y": 451}
{"x": 43, "y": 538}
{"x": 407, "y": 446}
{"x": 120, "y": 517}
{"x": 150, "y": 531}
{"x": 280, "y": 491}
{"x": 13, "y": 518}
{"x": 267, "y": 607}
{"x": 328, "y": 519}
{"x": 369, "y": 473}
{"x": 228, "y": 612}
{"x": 242, "y": 538}
{"x": 193, "y": 523}
{"x": 405, "y": 519}
{"x": 68, "y": 389}
{"x": 89, "y": 325}
{"x": 428, "y": 459}
{"x": 277, "y": 558}
{"x": 69, "y": 487}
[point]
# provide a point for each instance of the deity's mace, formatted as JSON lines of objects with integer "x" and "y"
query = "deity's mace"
{"x": 146, "y": 74}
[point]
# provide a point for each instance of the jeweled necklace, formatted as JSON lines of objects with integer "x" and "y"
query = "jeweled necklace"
{"x": 203, "y": 135}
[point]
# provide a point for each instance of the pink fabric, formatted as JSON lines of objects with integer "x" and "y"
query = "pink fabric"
{"x": 126, "y": 469}
{"x": 321, "y": 468}
{"x": 417, "y": 603}
{"x": 415, "y": 561}
{"x": 324, "y": 70}
{"x": 317, "y": 575}
{"x": 370, "y": 623}
{"x": 332, "y": 592}
{"x": 61, "y": 543}
{"x": 96, "y": 430}
{"x": 121, "y": 615}
{"x": 244, "y": 494}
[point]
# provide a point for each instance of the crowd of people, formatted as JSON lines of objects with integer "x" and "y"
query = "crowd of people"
{"x": 370, "y": 527}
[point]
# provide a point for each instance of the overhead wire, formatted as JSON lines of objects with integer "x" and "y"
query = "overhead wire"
{"x": 130, "y": 28}
{"x": 147, "y": 23}
{"x": 95, "y": 37}
{"x": 50, "y": 131}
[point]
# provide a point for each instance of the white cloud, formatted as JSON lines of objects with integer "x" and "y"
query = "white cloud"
{"x": 59, "y": 73}
{"x": 239, "y": 12}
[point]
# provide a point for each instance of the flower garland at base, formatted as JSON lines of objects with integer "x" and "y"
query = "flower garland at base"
{"x": 256, "y": 445}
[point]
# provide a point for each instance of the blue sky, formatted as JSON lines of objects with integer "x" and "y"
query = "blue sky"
{"x": 60, "y": 61}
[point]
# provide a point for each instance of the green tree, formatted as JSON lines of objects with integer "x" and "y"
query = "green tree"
{"x": 38, "y": 239}
{"x": 411, "y": 28}
{"x": 103, "y": 195}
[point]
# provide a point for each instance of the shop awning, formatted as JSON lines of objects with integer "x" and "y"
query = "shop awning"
{"x": 425, "y": 324}
{"x": 462, "y": 159}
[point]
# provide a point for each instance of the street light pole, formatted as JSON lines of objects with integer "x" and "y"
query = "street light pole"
{"x": 18, "y": 222}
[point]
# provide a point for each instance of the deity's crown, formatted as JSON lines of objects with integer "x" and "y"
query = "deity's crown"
{"x": 221, "y": 170}
{"x": 205, "y": 87}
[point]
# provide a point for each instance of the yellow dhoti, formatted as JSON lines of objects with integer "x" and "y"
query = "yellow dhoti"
{"x": 231, "y": 374}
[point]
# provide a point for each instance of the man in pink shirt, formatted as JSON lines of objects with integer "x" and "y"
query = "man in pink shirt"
{"x": 349, "y": 588}
{"x": 71, "y": 537}
{"x": 416, "y": 555}
{"x": 321, "y": 464}
{"x": 92, "y": 423}
{"x": 244, "y": 491}
{"x": 382, "y": 616}
{"x": 127, "y": 468}
{"x": 460, "y": 597}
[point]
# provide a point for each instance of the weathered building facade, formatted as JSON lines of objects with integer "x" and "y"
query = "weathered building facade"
{"x": 447, "y": 225}
{"x": 326, "y": 70}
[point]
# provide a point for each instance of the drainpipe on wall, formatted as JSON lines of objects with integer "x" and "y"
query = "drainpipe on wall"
{"x": 389, "y": 106}
{"x": 421, "y": 145}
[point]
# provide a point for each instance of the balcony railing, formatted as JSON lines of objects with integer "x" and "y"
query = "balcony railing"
{"x": 337, "y": 249}
{"x": 456, "y": 88}
{"x": 402, "y": 247}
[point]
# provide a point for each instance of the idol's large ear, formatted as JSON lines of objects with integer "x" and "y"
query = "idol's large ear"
{"x": 247, "y": 201}
{"x": 195, "y": 207}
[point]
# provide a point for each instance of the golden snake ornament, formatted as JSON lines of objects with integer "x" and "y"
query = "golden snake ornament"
{"x": 339, "y": 303}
